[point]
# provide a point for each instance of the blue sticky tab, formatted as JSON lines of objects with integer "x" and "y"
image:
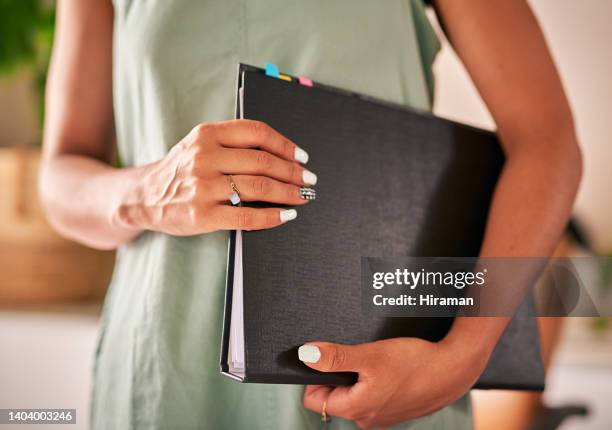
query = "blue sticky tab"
{"x": 272, "y": 70}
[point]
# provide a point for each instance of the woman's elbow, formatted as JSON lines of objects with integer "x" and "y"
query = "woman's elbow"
{"x": 46, "y": 197}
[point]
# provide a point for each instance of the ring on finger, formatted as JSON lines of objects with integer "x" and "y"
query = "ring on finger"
{"x": 324, "y": 417}
{"x": 234, "y": 197}
{"x": 307, "y": 193}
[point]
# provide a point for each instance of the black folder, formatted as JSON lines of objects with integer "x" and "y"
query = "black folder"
{"x": 392, "y": 181}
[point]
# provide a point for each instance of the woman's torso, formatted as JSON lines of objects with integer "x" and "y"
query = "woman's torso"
{"x": 174, "y": 67}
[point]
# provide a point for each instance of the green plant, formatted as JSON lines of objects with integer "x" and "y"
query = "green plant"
{"x": 26, "y": 36}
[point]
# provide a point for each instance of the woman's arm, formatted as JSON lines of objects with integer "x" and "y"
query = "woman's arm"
{"x": 184, "y": 193}
{"x": 76, "y": 176}
{"x": 504, "y": 51}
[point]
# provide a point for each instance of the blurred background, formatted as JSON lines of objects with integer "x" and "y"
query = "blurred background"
{"x": 51, "y": 289}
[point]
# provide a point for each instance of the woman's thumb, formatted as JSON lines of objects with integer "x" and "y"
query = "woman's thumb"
{"x": 330, "y": 357}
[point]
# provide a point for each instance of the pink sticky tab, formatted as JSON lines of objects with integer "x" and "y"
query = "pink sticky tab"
{"x": 305, "y": 81}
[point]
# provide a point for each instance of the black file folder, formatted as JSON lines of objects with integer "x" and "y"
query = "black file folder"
{"x": 393, "y": 181}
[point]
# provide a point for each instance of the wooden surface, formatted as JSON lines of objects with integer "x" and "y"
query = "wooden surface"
{"x": 36, "y": 264}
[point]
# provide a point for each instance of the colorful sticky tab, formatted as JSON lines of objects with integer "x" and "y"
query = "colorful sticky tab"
{"x": 284, "y": 77}
{"x": 305, "y": 81}
{"x": 272, "y": 70}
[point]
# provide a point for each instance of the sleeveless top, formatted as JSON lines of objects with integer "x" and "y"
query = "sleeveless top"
{"x": 175, "y": 63}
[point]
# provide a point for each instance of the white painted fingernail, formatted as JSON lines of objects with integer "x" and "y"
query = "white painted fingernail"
{"x": 309, "y": 353}
{"x": 309, "y": 178}
{"x": 300, "y": 155}
{"x": 288, "y": 215}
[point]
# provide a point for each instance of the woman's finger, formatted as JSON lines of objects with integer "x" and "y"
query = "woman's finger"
{"x": 261, "y": 163}
{"x": 339, "y": 401}
{"x": 243, "y": 218}
{"x": 245, "y": 133}
{"x": 314, "y": 396}
{"x": 261, "y": 189}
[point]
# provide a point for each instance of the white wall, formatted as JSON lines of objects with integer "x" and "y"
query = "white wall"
{"x": 46, "y": 361}
{"x": 580, "y": 37}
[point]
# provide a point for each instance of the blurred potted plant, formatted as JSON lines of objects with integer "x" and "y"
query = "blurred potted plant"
{"x": 36, "y": 264}
{"x": 26, "y": 36}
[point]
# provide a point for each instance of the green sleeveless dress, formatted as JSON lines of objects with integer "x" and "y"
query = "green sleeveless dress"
{"x": 157, "y": 363}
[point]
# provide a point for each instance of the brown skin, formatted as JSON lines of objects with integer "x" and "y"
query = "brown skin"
{"x": 186, "y": 192}
{"x": 399, "y": 379}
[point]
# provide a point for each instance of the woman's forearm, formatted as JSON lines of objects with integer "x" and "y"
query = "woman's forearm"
{"x": 529, "y": 211}
{"x": 82, "y": 196}
{"x": 78, "y": 186}
{"x": 517, "y": 79}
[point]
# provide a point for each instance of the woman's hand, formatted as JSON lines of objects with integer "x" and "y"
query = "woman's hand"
{"x": 187, "y": 192}
{"x": 399, "y": 379}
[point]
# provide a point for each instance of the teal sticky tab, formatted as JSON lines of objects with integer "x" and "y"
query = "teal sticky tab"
{"x": 272, "y": 70}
